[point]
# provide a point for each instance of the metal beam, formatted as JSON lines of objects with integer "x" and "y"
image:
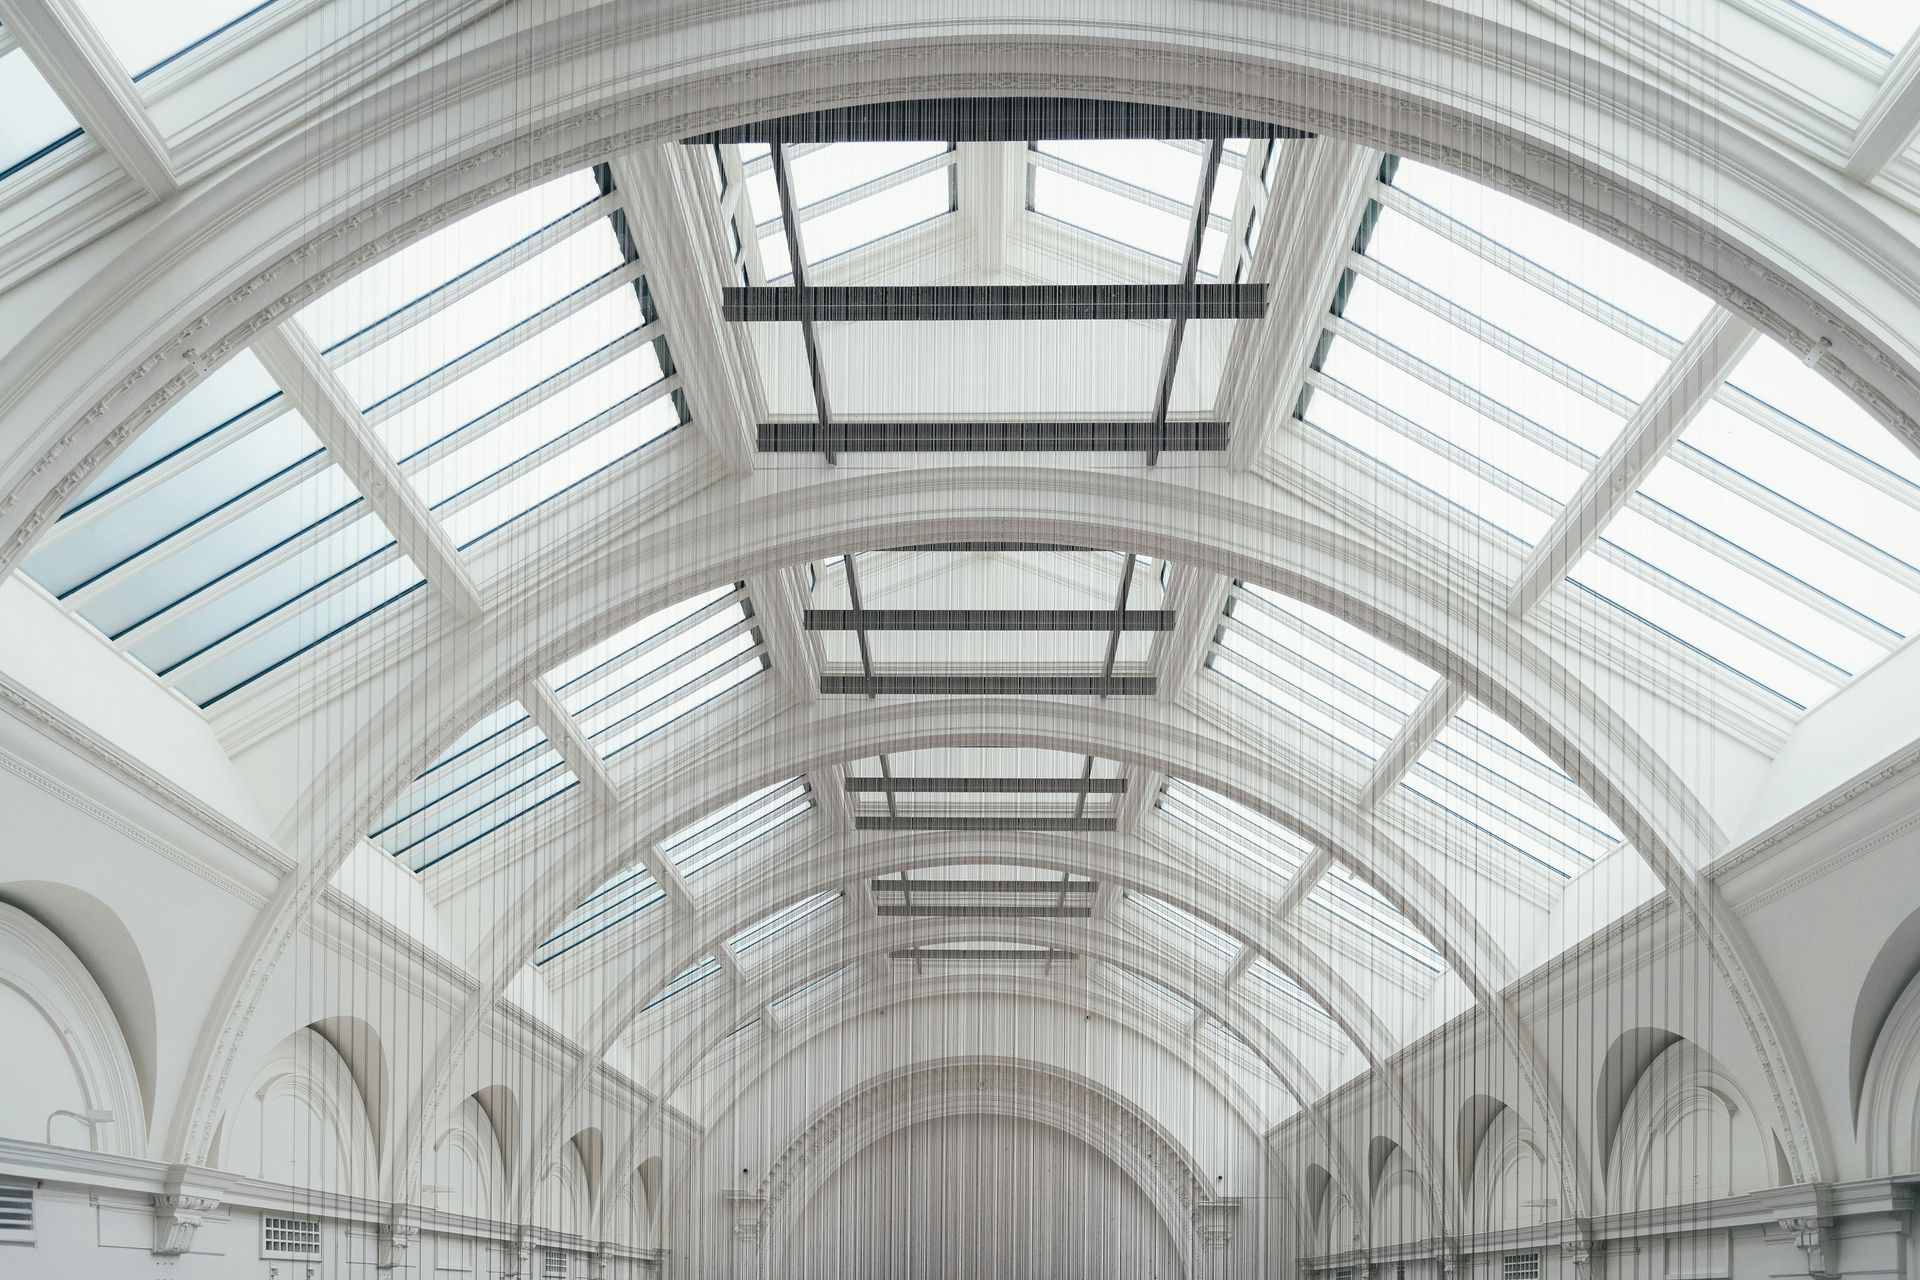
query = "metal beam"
{"x": 988, "y": 786}
{"x": 997, "y": 120}
{"x": 797, "y": 264}
{"x": 66, "y": 48}
{"x": 1688, "y": 383}
{"x": 980, "y": 822}
{"x": 1189, "y": 272}
{"x": 962, "y": 911}
{"x": 1021, "y": 955}
{"x": 1010, "y": 685}
{"x": 992, "y": 437}
{"x": 922, "y": 302}
{"x": 1112, "y": 620}
{"x": 297, "y": 366}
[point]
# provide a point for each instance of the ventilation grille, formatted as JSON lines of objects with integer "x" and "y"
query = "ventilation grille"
{"x": 290, "y": 1238}
{"x": 16, "y": 1212}
{"x": 553, "y": 1265}
{"x": 1520, "y": 1266}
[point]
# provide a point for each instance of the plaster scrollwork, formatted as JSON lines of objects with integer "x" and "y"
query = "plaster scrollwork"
{"x": 1814, "y": 1238}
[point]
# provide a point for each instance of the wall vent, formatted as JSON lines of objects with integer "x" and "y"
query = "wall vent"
{"x": 289, "y": 1238}
{"x": 1520, "y": 1266}
{"x": 553, "y": 1264}
{"x": 16, "y": 1213}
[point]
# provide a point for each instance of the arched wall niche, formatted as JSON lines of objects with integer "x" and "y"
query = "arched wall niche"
{"x": 1687, "y": 1134}
{"x": 501, "y": 1106}
{"x": 70, "y": 1078}
{"x": 1889, "y": 1124}
{"x": 468, "y": 1171}
{"x": 1402, "y": 1204}
{"x": 359, "y": 1047}
{"x": 561, "y": 1199}
{"x": 301, "y": 1122}
{"x": 1477, "y": 1115}
{"x": 649, "y": 1189}
{"x": 91, "y": 930}
{"x": 1511, "y": 1184}
{"x": 1889, "y": 979}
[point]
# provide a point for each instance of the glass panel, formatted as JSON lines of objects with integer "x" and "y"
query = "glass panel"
{"x": 1319, "y": 669}
{"x": 33, "y": 119}
{"x": 144, "y": 36}
{"x": 1585, "y": 261}
{"x": 1485, "y": 772}
{"x": 1185, "y": 926}
{"x": 499, "y": 771}
{"x": 619, "y": 899}
{"x": 1885, "y": 24}
{"x": 239, "y": 385}
{"x": 687, "y": 980}
{"x": 414, "y": 274}
{"x": 780, "y": 922}
{"x": 722, "y": 835}
{"x": 658, "y": 669}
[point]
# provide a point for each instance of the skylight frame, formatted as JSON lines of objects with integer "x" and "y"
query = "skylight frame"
{"x": 754, "y": 229}
{"x": 1825, "y": 638}
{"x": 23, "y": 73}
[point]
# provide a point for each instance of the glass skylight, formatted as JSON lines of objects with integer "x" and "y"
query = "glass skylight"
{"x": 1486, "y": 772}
{"x": 635, "y": 683}
{"x": 1317, "y": 669}
{"x": 988, "y": 580}
{"x": 1186, "y": 926}
{"x": 1170, "y": 1002}
{"x": 1268, "y": 978}
{"x": 1885, "y": 24}
{"x": 686, "y": 980}
{"x": 849, "y": 195}
{"x": 523, "y": 357}
{"x": 739, "y": 826}
{"x": 146, "y": 36}
{"x": 34, "y": 122}
{"x": 1140, "y": 194}
{"x": 499, "y": 771}
{"x": 1783, "y": 545}
{"x": 224, "y": 544}
{"x": 1339, "y": 900}
{"x": 619, "y": 899}
{"x": 791, "y": 922}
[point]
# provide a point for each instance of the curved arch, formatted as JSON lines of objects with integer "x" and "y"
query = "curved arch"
{"x": 1688, "y": 1134}
{"x": 1429, "y": 86}
{"x": 1174, "y": 971}
{"x": 1059, "y": 1100}
{"x": 359, "y": 1047}
{"x": 1258, "y": 544}
{"x": 866, "y": 997}
{"x": 52, "y": 983}
{"x": 95, "y": 934}
{"x": 1881, "y": 992}
{"x": 468, "y": 1165}
{"x": 1508, "y": 1178}
{"x": 1264, "y": 77}
{"x": 300, "y": 1122}
{"x": 1889, "y": 1123}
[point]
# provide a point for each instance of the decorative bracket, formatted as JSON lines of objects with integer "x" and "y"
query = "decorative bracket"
{"x": 749, "y": 1212}
{"x": 1814, "y": 1237}
{"x": 180, "y": 1209}
{"x": 396, "y": 1237}
{"x": 1213, "y": 1221}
